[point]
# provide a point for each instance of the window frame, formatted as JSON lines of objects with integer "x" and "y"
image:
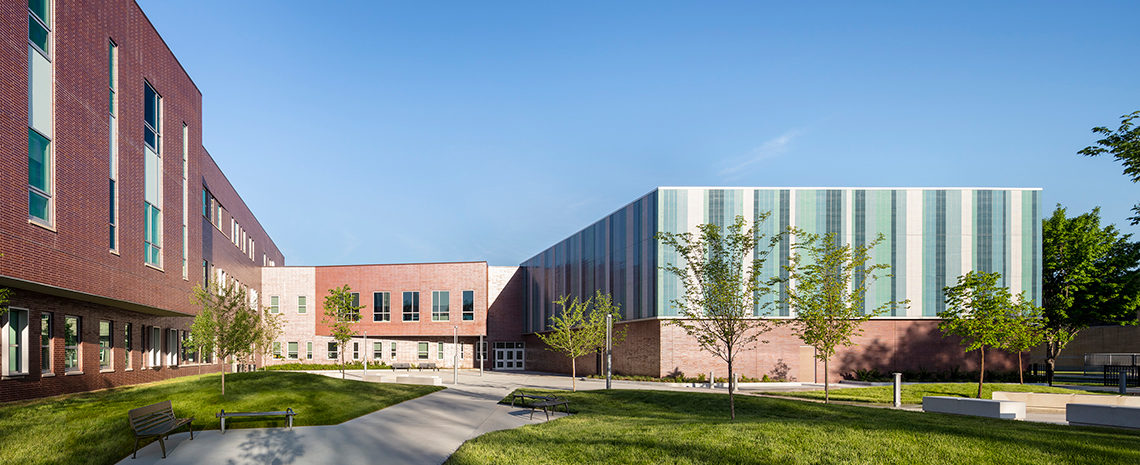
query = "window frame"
{"x": 274, "y": 304}
{"x": 378, "y": 350}
{"x": 19, "y": 346}
{"x": 410, "y": 310}
{"x": 302, "y": 304}
{"x": 440, "y": 354}
{"x": 292, "y": 350}
{"x": 106, "y": 347}
{"x": 128, "y": 345}
{"x": 468, "y": 315}
{"x": 333, "y": 351}
{"x": 153, "y": 221}
{"x": 440, "y": 305}
{"x": 77, "y": 348}
{"x": 423, "y": 351}
{"x": 308, "y": 350}
{"x": 47, "y": 320}
{"x": 394, "y": 351}
{"x": 382, "y": 313}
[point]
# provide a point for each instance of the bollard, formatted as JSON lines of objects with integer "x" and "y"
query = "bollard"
{"x": 712, "y": 379}
{"x": 898, "y": 390}
{"x": 1123, "y": 382}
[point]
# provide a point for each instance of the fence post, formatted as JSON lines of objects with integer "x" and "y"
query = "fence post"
{"x": 712, "y": 379}
{"x": 898, "y": 390}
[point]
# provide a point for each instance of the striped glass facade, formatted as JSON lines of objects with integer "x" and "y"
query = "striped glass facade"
{"x": 930, "y": 237}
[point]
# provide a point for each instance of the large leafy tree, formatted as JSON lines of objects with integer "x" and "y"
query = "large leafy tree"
{"x": 721, "y": 277}
{"x": 1124, "y": 145}
{"x": 228, "y": 324}
{"x": 981, "y": 313}
{"x": 829, "y": 283}
{"x": 580, "y": 328}
{"x": 1091, "y": 275}
{"x": 342, "y": 312}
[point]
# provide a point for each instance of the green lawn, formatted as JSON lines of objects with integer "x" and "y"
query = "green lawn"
{"x": 92, "y": 428}
{"x": 652, "y": 427}
{"x": 913, "y": 393}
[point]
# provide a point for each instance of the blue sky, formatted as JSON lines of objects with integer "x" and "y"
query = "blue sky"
{"x": 377, "y": 132}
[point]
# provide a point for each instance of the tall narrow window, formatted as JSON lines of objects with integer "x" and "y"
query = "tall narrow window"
{"x": 468, "y": 305}
{"x": 422, "y": 351}
{"x": 381, "y": 306}
{"x": 393, "y": 347}
{"x": 309, "y": 350}
{"x": 274, "y": 304}
{"x": 276, "y": 350}
{"x": 128, "y": 346}
{"x": 302, "y": 304}
{"x": 440, "y": 305}
{"x": 411, "y": 306}
{"x": 71, "y": 339}
{"x": 45, "y": 342}
{"x": 40, "y": 113}
{"x": 354, "y": 315}
{"x": 440, "y": 351}
{"x": 333, "y": 355}
{"x": 185, "y": 201}
{"x": 292, "y": 351}
{"x": 377, "y": 350}
{"x": 113, "y": 145}
{"x": 152, "y": 201}
{"x": 16, "y": 342}
{"x": 356, "y": 351}
{"x": 104, "y": 344}
{"x": 155, "y": 347}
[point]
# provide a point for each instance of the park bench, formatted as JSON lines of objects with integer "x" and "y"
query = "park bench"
{"x": 427, "y": 366}
{"x": 156, "y": 420}
{"x": 401, "y": 366}
{"x": 546, "y": 403}
{"x": 287, "y": 413}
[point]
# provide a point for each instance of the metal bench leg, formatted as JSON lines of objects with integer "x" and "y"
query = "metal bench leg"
{"x": 190, "y": 426}
{"x": 223, "y": 425}
{"x": 163, "y": 445}
{"x": 290, "y": 421}
{"x": 547, "y": 412}
{"x": 135, "y": 455}
{"x": 532, "y": 413}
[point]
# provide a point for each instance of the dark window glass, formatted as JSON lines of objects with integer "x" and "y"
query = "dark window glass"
{"x": 37, "y": 33}
{"x": 468, "y": 305}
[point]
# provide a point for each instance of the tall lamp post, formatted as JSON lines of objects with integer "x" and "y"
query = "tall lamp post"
{"x": 455, "y": 356}
{"x": 365, "y": 376}
{"x": 609, "y": 348}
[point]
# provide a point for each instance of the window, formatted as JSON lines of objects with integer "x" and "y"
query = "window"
{"x": 381, "y": 306}
{"x": 276, "y": 350}
{"x": 40, "y": 113}
{"x": 185, "y": 200}
{"x": 155, "y": 347}
{"x": 393, "y": 350}
{"x": 482, "y": 352}
{"x": 292, "y": 353}
{"x": 128, "y": 333}
{"x": 423, "y": 351}
{"x": 113, "y": 144}
{"x": 302, "y": 304}
{"x": 45, "y": 342}
{"x": 411, "y": 306}
{"x": 71, "y": 336}
{"x": 356, "y": 351}
{"x": 189, "y": 354}
{"x": 440, "y": 351}
{"x": 468, "y": 305}
{"x": 152, "y": 166}
{"x": 377, "y": 350}
{"x": 332, "y": 351}
{"x": 354, "y": 314}
{"x": 16, "y": 342}
{"x": 309, "y": 350}
{"x": 172, "y": 349}
{"x": 104, "y": 345}
{"x": 440, "y": 305}
{"x": 274, "y": 304}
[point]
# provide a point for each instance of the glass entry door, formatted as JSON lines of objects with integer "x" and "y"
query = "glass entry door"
{"x": 510, "y": 355}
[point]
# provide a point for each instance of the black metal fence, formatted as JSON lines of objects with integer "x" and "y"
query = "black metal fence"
{"x": 1112, "y": 375}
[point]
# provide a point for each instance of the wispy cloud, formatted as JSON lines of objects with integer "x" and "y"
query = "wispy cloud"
{"x": 769, "y": 149}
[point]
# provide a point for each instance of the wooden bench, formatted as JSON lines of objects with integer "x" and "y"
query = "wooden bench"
{"x": 287, "y": 413}
{"x": 546, "y": 403}
{"x": 401, "y": 366}
{"x": 428, "y": 366}
{"x": 156, "y": 420}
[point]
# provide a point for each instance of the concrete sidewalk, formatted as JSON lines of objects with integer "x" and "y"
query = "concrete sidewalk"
{"x": 425, "y": 430}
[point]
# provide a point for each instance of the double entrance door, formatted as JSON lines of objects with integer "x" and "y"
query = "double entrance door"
{"x": 510, "y": 355}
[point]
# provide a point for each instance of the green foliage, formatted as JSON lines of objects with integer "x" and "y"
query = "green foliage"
{"x": 1124, "y": 145}
{"x": 580, "y": 328}
{"x": 229, "y": 326}
{"x": 1090, "y": 276}
{"x": 828, "y": 282}
{"x": 91, "y": 428}
{"x": 723, "y": 287}
{"x": 341, "y": 315}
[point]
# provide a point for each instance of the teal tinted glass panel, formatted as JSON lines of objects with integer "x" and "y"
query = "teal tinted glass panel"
{"x": 150, "y": 106}
{"x": 38, "y": 34}
{"x": 41, "y": 8}
{"x": 38, "y": 161}
{"x": 37, "y": 205}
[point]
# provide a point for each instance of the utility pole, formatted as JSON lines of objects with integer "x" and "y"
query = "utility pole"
{"x": 609, "y": 348}
{"x": 482, "y": 354}
{"x": 455, "y": 356}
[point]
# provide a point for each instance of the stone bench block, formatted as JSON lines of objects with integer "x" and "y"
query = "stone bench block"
{"x": 1103, "y": 415}
{"x": 425, "y": 380}
{"x": 1006, "y": 409}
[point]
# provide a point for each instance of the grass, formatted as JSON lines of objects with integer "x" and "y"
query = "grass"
{"x": 913, "y": 393}
{"x": 92, "y": 428}
{"x": 651, "y": 427}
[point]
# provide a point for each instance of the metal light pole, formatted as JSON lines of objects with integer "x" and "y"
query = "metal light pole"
{"x": 455, "y": 356}
{"x": 365, "y": 376}
{"x": 482, "y": 354}
{"x": 609, "y": 348}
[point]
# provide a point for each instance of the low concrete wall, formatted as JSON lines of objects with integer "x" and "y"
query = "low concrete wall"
{"x": 1005, "y": 409}
{"x": 413, "y": 379}
{"x": 1051, "y": 401}
{"x": 1103, "y": 415}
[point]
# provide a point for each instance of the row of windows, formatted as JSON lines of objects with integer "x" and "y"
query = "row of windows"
{"x": 160, "y": 346}
{"x": 382, "y": 305}
{"x": 380, "y": 350}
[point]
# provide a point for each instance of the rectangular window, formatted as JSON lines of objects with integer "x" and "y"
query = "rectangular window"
{"x": 71, "y": 336}
{"x": 354, "y": 315}
{"x": 40, "y": 112}
{"x": 292, "y": 353}
{"x": 440, "y": 305}
{"x": 440, "y": 351}
{"x": 302, "y": 304}
{"x": 189, "y": 355}
{"x": 155, "y": 347}
{"x": 172, "y": 350}
{"x": 356, "y": 351}
{"x": 128, "y": 346}
{"x": 332, "y": 351}
{"x": 468, "y": 305}
{"x": 411, "y": 306}
{"x": 113, "y": 144}
{"x": 152, "y": 165}
{"x": 377, "y": 350}
{"x": 185, "y": 201}
{"x": 381, "y": 306}
{"x": 422, "y": 351}
{"x": 104, "y": 344}
{"x": 16, "y": 342}
{"x": 393, "y": 350}
{"x": 276, "y": 350}
{"x": 274, "y": 304}
{"x": 309, "y": 350}
{"x": 45, "y": 342}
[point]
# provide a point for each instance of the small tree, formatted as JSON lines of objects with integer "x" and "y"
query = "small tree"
{"x": 580, "y": 328}
{"x": 829, "y": 284}
{"x": 1025, "y": 331}
{"x": 342, "y": 312}
{"x": 227, "y": 324}
{"x": 724, "y": 295}
{"x": 980, "y": 312}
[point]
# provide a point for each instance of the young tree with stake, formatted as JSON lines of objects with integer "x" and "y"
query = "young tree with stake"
{"x": 580, "y": 328}
{"x": 341, "y": 314}
{"x": 981, "y": 313}
{"x": 228, "y": 324}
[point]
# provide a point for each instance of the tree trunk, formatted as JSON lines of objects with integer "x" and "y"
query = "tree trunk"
{"x": 1020, "y": 371}
{"x": 731, "y": 399}
{"x": 826, "y": 390}
{"x": 982, "y": 374}
{"x": 340, "y": 355}
{"x": 573, "y": 374}
{"x": 1050, "y": 360}
{"x": 223, "y": 377}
